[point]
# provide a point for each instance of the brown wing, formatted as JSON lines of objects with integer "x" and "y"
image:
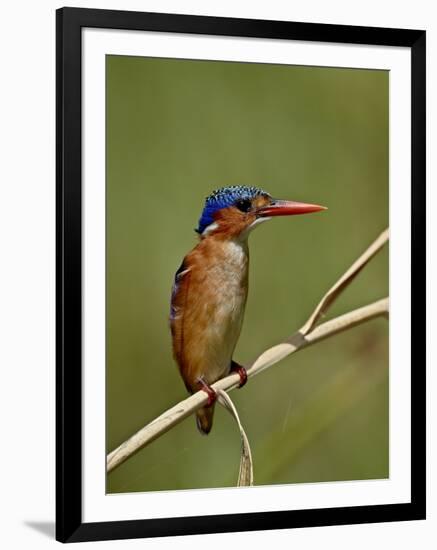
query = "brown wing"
{"x": 179, "y": 296}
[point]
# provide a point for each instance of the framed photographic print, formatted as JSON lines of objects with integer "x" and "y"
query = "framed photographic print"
{"x": 177, "y": 138}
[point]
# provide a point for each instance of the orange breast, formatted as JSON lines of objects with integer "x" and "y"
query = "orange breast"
{"x": 207, "y": 309}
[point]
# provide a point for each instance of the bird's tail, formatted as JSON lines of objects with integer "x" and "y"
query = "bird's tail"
{"x": 204, "y": 418}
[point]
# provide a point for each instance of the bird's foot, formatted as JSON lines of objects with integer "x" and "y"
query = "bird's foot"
{"x": 235, "y": 367}
{"x": 211, "y": 393}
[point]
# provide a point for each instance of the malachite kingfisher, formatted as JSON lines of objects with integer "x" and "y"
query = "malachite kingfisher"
{"x": 210, "y": 287}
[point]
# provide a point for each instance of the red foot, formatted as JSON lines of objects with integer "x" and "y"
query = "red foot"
{"x": 212, "y": 395}
{"x": 241, "y": 371}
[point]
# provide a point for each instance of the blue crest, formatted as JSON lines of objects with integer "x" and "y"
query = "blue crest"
{"x": 223, "y": 198}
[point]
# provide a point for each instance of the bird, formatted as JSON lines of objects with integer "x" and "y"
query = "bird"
{"x": 209, "y": 291}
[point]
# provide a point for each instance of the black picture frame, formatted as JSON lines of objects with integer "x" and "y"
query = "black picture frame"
{"x": 69, "y": 24}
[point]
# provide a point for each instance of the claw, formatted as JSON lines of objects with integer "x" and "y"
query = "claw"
{"x": 211, "y": 393}
{"x": 235, "y": 367}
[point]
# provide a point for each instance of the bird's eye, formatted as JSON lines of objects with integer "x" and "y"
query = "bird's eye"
{"x": 243, "y": 204}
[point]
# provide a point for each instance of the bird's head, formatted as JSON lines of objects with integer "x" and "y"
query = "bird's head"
{"x": 234, "y": 211}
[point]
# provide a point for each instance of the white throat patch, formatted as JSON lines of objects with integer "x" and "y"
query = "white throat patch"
{"x": 252, "y": 226}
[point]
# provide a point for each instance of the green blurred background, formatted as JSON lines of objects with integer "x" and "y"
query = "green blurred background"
{"x": 176, "y": 130}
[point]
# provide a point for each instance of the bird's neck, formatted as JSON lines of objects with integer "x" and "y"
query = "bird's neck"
{"x": 230, "y": 251}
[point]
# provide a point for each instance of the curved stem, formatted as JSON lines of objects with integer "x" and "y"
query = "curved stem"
{"x": 270, "y": 357}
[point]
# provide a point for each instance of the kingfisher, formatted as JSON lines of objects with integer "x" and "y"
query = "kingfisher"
{"x": 210, "y": 288}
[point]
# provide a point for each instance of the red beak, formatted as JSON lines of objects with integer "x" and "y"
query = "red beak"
{"x": 288, "y": 208}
